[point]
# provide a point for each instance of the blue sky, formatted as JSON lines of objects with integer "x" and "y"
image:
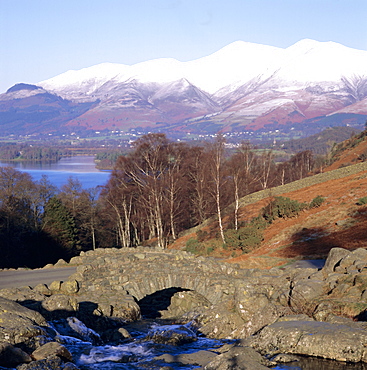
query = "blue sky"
{"x": 40, "y": 39}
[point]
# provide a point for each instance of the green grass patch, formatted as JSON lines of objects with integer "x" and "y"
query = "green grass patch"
{"x": 362, "y": 201}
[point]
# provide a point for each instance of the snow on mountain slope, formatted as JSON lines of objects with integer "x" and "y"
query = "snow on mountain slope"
{"x": 305, "y": 63}
{"x": 310, "y": 61}
{"x": 236, "y": 62}
{"x": 85, "y": 81}
{"x": 233, "y": 65}
{"x": 243, "y": 84}
{"x": 182, "y": 99}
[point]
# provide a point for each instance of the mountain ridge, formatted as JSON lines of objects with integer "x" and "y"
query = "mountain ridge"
{"x": 241, "y": 87}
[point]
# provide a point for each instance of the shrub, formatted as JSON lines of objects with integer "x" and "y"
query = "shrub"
{"x": 245, "y": 238}
{"x": 209, "y": 250}
{"x": 282, "y": 207}
{"x": 316, "y": 202}
{"x": 362, "y": 201}
{"x": 193, "y": 246}
{"x": 259, "y": 222}
{"x": 201, "y": 235}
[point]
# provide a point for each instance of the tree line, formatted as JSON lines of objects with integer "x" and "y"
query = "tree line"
{"x": 39, "y": 223}
{"x": 161, "y": 187}
{"x": 157, "y": 190}
{"x": 30, "y": 152}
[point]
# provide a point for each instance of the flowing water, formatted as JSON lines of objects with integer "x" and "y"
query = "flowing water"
{"x": 138, "y": 353}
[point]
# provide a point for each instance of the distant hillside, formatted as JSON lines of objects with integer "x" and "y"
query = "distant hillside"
{"x": 244, "y": 88}
{"x": 351, "y": 151}
{"x": 29, "y": 109}
{"x": 338, "y": 220}
{"x": 320, "y": 143}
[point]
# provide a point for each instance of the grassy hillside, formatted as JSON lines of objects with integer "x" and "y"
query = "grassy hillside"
{"x": 341, "y": 220}
{"x": 319, "y": 143}
{"x": 351, "y": 151}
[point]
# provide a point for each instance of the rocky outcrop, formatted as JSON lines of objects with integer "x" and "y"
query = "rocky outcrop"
{"x": 228, "y": 357}
{"x": 26, "y": 336}
{"x": 20, "y": 325}
{"x": 217, "y": 321}
{"x": 50, "y": 363}
{"x": 52, "y": 349}
{"x": 238, "y": 358}
{"x": 183, "y": 302}
{"x": 200, "y": 358}
{"x": 11, "y": 356}
{"x": 282, "y": 310}
{"x": 341, "y": 342}
{"x": 175, "y": 335}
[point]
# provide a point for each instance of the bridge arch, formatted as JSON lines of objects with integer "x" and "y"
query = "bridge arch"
{"x": 146, "y": 285}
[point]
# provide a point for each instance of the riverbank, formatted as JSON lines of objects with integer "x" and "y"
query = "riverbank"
{"x": 283, "y": 311}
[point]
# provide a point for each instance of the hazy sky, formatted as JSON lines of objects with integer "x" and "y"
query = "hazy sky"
{"x": 40, "y": 39}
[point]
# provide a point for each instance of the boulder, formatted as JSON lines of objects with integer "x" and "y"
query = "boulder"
{"x": 116, "y": 335}
{"x": 31, "y": 344}
{"x": 124, "y": 307}
{"x": 59, "y": 305}
{"x": 172, "y": 334}
{"x": 42, "y": 289}
{"x": 304, "y": 294}
{"x": 333, "y": 259}
{"x": 215, "y": 322}
{"x": 55, "y": 286}
{"x": 11, "y": 356}
{"x": 70, "y": 287}
{"x": 83, "y": 332}
{"x": 183, "y": 302}
{"x": 283, "y": 358}
{"x": 264, "y": 316}
{"x": 30, "y": 298}
{"x": 256, "y": 303}
{"x": 357, "y": 257}
{"x": 19, "y": 324}
{"x": 52, "y": 349}
{"x": 341, "y": 342}
{"x": 200, "y": 358}
{"x": 239, "y": 358}
{"x": 51, "y": 363}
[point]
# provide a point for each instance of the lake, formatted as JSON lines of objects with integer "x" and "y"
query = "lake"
{"x": 80, "y": 167}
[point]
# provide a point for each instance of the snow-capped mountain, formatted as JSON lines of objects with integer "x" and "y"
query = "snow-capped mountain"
{"x": 242, "y": 86}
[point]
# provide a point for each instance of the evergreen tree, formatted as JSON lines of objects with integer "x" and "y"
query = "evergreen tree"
{"x": 59, "y": 224}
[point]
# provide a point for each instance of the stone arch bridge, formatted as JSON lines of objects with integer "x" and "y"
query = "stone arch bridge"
{"x": 140, "y": 272}
{"x": 117, "y": 280}
{"x": 144, "y": 271}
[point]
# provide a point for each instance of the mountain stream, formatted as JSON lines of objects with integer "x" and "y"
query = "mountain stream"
{"x": 140, "y": 353}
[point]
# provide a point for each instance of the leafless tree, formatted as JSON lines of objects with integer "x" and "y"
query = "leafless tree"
{"x": 215, "y": 169}
{"x": 266, "y": 168}
{"x": 242, "y": 171}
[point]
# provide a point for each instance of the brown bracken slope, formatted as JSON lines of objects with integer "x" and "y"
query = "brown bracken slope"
{"x": 338, "y": 222}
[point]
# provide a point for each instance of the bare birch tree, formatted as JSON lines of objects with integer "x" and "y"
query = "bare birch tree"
{"x": 216, "y": 158}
